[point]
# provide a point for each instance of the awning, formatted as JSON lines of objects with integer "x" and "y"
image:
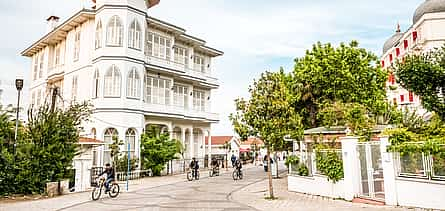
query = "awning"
{"x": 244, "y": 150}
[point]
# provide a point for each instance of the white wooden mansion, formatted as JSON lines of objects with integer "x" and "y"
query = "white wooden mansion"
{"x": 136, "y": 70}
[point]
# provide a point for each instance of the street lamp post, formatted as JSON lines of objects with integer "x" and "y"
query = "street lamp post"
{"x": 19, "y": 86}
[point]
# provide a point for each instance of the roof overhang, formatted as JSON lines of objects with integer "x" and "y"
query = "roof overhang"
{"x": 60, "y": 32}
{"x": 156, "y": 23}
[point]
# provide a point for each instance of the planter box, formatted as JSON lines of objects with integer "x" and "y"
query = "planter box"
{"x": 57, "y": 188}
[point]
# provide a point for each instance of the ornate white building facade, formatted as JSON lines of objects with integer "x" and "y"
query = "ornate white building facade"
{"x": 426, "y": 33}
{"x": 136, "y": 71}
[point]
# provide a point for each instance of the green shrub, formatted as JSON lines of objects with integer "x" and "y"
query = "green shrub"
{"x": 303, "y": 170}
{"x": 293, "y": 159}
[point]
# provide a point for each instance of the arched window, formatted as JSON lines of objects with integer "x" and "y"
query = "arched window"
{"x": 112, "y": 84}
{"x": 96, "y": 80}
{"x": 93, "y": 133}
{"x": 115, "y": 32}
{"x": 133, "y": 84}
{"x": 130, "y": 138}
{"x": 134, "y": 35}
{"x": 98, "y": 42}
{"x": 109, "y": 135}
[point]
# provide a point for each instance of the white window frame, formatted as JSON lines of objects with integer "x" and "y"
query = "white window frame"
{"x": 76, "y": 44}
{"x": 39, "y": 97}
{"x": 115, "y": 32}
{"x": 158, "y": 46}
{"x": 96, "y": 83}
{"x": 33, "y": 98}
{"x": 199, "y": 100}
{"x": 98, "y": 40}
{"x": 199, "y": 63}
{"x": 130, "y": 136}
{"x": 57, "y": 55}
{"x": 112, "y": 82}
{"x": 157, "y": 90}
{"x": 36, "y": 66}
{"x": 109, "y": 134}
{"x": 74, "y": 88}
{"x": 41, "y": 63}
{"x": 180, "y": 55}
{"x": 135, "y": 35}
{"x": 180, "y": 95}
{"x": 133, "y": 84}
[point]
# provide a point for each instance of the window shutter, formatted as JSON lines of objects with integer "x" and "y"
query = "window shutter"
{"x": 397, "y": 52}
{"x": 390, "y": 58}
{"x": 405, "y": 44}
{"x": 411, "y": 97}
{"x": 383, "y": 64}
{"x": 402, "y": 98}
{"x": 414, "y": 36}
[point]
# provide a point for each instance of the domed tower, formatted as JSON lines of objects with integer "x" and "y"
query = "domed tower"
{"x": 393, "y": 40}
{"x": 429, "y": 6}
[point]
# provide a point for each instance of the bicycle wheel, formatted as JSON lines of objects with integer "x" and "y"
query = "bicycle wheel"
{"x": 114, "y": 190}
{"x": 235, "y": 175}
{"x": 189, "y": 176}
{"x": 95, "y": 195}
{"x": 197, "y": 175}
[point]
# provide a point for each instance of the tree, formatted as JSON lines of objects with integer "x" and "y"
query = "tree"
{"x": 268, "y": 114}
{"x": 157, "y": 149}
{"x": 346, "y": 74}
{"x": 424, "y": 75}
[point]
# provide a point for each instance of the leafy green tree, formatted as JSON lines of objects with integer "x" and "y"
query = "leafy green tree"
{"x": 157, "y": 149}
{"x": 424, "y": 75}
{"x": 268, "y": 114}
{"x": 328, "y": 74}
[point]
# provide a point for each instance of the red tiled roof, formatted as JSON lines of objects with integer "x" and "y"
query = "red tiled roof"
{"x": 85, "y": 140}
{"x": 219, "y": 140}
{"x": 252, "y": 140}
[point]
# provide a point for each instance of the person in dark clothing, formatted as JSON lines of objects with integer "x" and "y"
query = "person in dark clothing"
{"x": 194, "y": 165}
{"x": 233, "y": 159}
{"x": 110, "y": 176}
{"x": 266, "y": 162}
{"x": 215, "y": 165}
{"x": 238, "y": 164}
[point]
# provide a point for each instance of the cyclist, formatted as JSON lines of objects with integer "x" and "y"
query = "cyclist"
{"x": 194, "y": 165}
{"x": 110, "y": 176}
{"x": 215, "y": 165}
{"x": 238, "y": 165}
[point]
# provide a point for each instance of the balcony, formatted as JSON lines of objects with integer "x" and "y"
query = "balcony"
{"x": 180, "y": 112}
{"x": 181, "y": 70}
{"x": 56, "y": 72}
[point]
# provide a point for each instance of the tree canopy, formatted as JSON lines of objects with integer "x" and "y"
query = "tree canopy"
{"x": 424, "y": 75}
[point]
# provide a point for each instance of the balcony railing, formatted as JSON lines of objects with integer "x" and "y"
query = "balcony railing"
{"x": 55, "y": 71}
{"x": 178, "y": 110}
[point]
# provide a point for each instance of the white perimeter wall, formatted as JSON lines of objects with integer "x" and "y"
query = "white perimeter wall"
{"x": 316, "y": 185}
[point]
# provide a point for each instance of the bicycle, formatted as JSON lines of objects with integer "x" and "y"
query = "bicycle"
{"x": 100, "y": 184}
{"x": 214, "y": 171}
{"x": 237, "y": 174}
{"x": 190, "y": 175}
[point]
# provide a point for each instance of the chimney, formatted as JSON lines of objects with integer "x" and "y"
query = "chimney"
{"x": 52, "y": 22}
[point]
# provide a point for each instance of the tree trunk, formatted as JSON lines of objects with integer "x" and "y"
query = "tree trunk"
{"x": 276, "y": 163}
{"x": 269, "y": 173}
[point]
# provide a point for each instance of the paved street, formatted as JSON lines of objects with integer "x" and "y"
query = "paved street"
{"x": 175, "y": 193}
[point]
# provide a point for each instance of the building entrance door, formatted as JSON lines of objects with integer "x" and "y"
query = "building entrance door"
{"x": 371, "y": 171}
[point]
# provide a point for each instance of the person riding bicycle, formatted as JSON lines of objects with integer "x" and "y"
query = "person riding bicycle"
{"x": 194, "y": 165}
{"x": 238, "y": 165}
{"x": 110, "y": 176}
{"x": 215, "y": 164}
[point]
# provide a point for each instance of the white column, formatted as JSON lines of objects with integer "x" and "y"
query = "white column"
{"x": 389, "y": 173}
{"x": 350, "y": 167}
{"x": 192, "y": 143}
{"x": 183, "y": 140}
{"x": 209, "y": 146}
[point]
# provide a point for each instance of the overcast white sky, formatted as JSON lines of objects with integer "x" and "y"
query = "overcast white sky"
{"x": 255, "y": 35}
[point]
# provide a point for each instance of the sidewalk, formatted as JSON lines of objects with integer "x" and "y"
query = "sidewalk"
{"x": 254, "y": 196}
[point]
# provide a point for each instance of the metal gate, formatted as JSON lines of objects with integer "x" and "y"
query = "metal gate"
{"x": 371, "y": 170}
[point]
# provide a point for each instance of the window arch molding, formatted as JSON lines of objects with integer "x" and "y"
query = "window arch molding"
{"x": 135, "y": 35}
{"x": 115, "y": 32}
{"x": 133, "y": 83}
{"x": 96, "y": 83}
{"x": 112, "y": 82}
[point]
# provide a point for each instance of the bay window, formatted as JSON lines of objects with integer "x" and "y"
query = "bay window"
{"x": 112, "y": 82}
{"x": 114, "y": 32}
{"x": 158, "y": 46}
{"x": 134, "y": 35}
{"x": 133, "y": 84}
{"x": 157, "y": 90}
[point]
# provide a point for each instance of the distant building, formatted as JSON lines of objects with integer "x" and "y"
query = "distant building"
{"x": 426, "y": 33}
